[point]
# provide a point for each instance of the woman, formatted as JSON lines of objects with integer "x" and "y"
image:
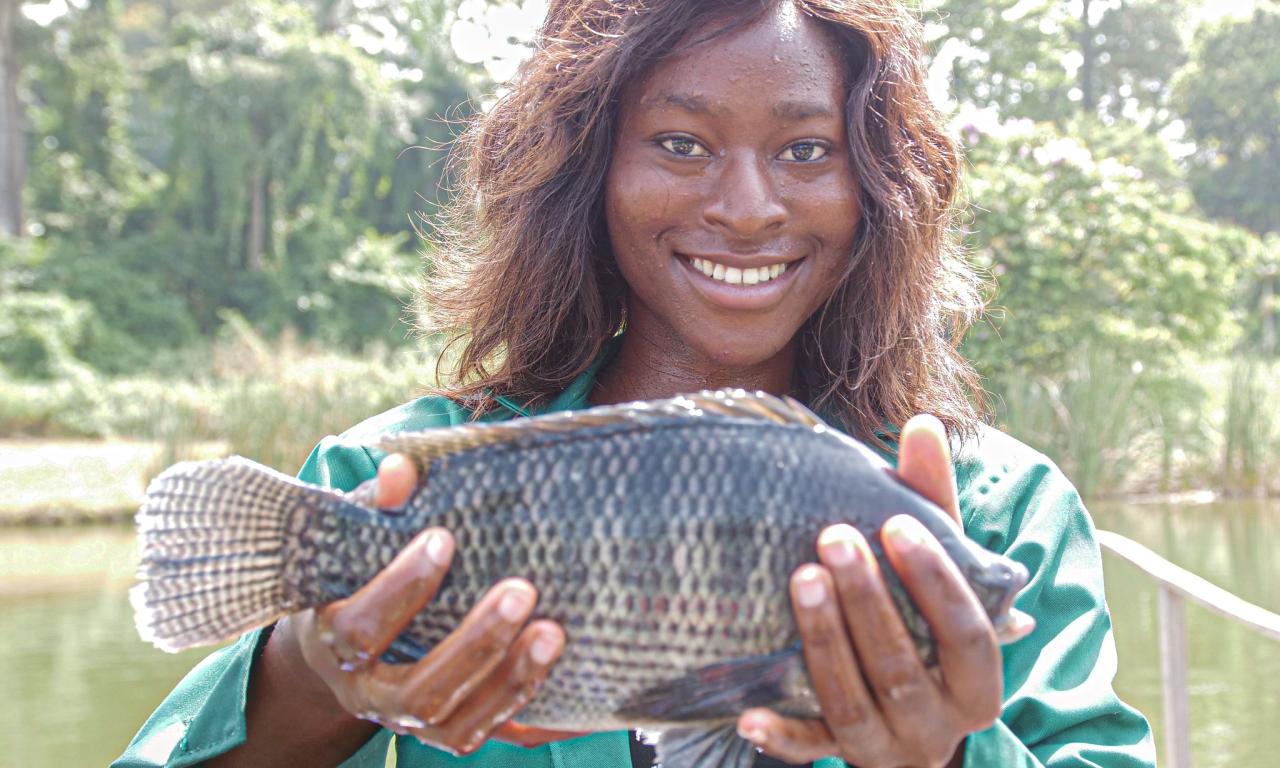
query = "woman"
{"x": 756, "y": 195}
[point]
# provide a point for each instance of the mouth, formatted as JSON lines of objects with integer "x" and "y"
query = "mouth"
{"x": 732, "y": 283}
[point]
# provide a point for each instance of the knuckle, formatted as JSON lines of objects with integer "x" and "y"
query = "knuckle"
{"x": 845, "y": 714}
{"x": 973, "y": 637}
{"x": 899, "y": 679}
{"x": 822, "y": 633}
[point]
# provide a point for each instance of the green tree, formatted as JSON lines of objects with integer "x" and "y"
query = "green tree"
{"x": 1230, "y": 100}
{"x": 1052, "y": 59}
{"x": 1229, "y": 97}
{"x": 1088, "y": 252}
{"x": 13, "y": 155}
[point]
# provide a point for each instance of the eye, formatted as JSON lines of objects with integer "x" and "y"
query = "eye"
{"x": 683, "y": 146}
{"x": 804, "y": 152}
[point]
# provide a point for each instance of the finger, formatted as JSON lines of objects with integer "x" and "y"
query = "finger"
{"x": 507, "y": 689}
{"x": 397, "y": 477}
{"x": 924, "y": 462}
{"x": 437, "y": 684}
{"x": 968, "y": 652}
{"x": 847, "y": 707}
{"x": 904, "y": 692}
{"x": 361, "y": 627}
{"x": 792, "y": 741}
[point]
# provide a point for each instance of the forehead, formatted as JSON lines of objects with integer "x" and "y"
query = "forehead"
{"x": 783, "y": 60}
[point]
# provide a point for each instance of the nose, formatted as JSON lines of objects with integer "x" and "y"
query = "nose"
{"x": 745, "y": 200}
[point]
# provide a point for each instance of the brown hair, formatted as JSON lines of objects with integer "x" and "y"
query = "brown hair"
{"x": 524, "y": 279}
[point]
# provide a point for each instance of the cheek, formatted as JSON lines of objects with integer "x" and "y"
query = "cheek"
{"x": 834, "y": 211}
{"x": 641, "y": 203}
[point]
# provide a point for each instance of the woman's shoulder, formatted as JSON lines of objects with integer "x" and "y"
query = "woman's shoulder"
{"x": 1006, "y": 485}
{"x": 344, "y": 461}
{"x": 427, "y": 412}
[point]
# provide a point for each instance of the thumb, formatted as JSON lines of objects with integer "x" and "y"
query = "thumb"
{"x": 924, "y": 462}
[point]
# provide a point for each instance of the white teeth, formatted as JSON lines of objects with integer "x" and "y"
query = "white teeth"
{"x": 735, "y": 275}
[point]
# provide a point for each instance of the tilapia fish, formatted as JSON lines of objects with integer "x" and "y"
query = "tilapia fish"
{"x": 660, "y": 534}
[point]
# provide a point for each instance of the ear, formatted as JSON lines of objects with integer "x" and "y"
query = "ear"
{"x": 924, "y": 462}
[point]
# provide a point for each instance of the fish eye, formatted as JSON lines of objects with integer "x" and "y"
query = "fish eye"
{"x": 804, "y": 152}
{"x": 683, "y": 146}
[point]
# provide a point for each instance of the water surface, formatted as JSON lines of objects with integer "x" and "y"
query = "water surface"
{"x": 79, "y": 681}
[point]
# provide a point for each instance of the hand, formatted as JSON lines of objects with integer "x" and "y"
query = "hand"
{"x": 469, "y": 685}
{"x": 881, "y": 707}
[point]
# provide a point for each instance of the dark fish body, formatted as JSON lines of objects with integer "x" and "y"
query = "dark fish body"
{"x": 661, "y": 536}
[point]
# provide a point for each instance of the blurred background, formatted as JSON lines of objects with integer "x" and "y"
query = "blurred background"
{"x": 210, "y": 220}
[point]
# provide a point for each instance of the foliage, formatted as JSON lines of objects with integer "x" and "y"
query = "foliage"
{"x": 1086, "y": 251}
{"x": 252, "y": 155}
{"x": 209, "y": 175}
{"x": 266, "y": 399}
{"x": 1052, "y": 59}
{"x": 1230, "y": 100}
{"x": 39, "y": 331}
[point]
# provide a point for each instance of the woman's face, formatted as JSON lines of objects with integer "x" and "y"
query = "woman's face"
{"x": 730, "y": 199}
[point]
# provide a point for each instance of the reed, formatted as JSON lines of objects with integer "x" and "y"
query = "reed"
{"x": 1251, "y": 427}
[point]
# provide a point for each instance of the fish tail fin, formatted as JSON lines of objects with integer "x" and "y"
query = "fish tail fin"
{"x": 214, "y": 538}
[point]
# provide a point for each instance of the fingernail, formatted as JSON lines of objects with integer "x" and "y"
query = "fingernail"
{"x": 837, "y": 545}
{"x": 906, "y": 533}
{"x": 515, "y": 603}
{"x": 407, "y": 722}
{"x": 810, "y": 591}
{"x": 438, "y": 549}
{"x": 543, "y": 650}
{"x": 752, "y": 730}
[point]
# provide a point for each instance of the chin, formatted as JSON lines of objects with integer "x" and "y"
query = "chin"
{"x": 742, "y": 350}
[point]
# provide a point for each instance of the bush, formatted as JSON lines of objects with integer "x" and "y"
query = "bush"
{"x": 39, "y": 331}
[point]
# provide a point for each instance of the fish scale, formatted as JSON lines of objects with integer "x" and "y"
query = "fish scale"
{"x": 667, "y": 517}
{"x": 660, "y": 535}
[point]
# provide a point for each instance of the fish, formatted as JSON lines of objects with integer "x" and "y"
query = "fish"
{"x": 661, "y": 535}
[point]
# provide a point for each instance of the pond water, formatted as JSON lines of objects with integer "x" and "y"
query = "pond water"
{"x": 80, "y": 682}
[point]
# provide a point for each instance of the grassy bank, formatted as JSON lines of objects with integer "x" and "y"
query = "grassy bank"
{"x": 61, "y": 482}
{"x": 82, "y": 447}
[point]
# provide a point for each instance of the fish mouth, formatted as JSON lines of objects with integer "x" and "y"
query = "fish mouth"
{"x": 1007, "y": 581}
{"x": 1013, "y": 625}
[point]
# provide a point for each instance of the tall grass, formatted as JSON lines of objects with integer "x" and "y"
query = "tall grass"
{"x": 1114, "y": 427}
{"x": 1251, "y": 427}
{"x": 268, "y": 400}
{"x": 1117, "y": 428}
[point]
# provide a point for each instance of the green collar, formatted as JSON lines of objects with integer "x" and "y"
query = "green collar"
{"x": 574, "y": 397}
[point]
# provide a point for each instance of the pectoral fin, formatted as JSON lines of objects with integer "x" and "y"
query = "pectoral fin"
{"x": 722, "y": 691}
{"x": 701, "y": 748}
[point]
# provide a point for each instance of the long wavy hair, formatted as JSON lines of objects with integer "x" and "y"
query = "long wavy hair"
{"x": 525, "y": 284}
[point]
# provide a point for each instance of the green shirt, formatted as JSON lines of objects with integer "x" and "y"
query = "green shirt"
{"x": 1059, "y": 706}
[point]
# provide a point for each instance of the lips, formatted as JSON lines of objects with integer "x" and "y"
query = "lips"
{"x": 739, "y": 283}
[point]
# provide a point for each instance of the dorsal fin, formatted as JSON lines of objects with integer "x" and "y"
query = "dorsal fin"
{"x": 424, "y": 447}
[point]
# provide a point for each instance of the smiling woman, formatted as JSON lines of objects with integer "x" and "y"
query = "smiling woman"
{"x": 674, "y": 195}
{"x": 778, "y": 131}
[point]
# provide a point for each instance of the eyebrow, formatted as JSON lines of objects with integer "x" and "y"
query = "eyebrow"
{"x": 787, "y": 110}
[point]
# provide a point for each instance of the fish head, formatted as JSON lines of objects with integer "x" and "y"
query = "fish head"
{"x": 997, "y": 582}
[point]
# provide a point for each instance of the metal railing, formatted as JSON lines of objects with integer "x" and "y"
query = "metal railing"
{"x": 1176, "y": 585}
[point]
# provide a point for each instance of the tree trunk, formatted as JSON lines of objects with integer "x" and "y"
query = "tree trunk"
{"x": 1088, "y": 62}
{"x": 13, "y": 152}
{"x": 257, "y": 217}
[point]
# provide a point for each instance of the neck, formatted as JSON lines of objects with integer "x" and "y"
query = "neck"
{"x": 650, "y": 367}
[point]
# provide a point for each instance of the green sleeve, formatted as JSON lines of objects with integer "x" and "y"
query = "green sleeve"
{"x": 204, "y": 715}
{"x": 1060, "y": 709}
